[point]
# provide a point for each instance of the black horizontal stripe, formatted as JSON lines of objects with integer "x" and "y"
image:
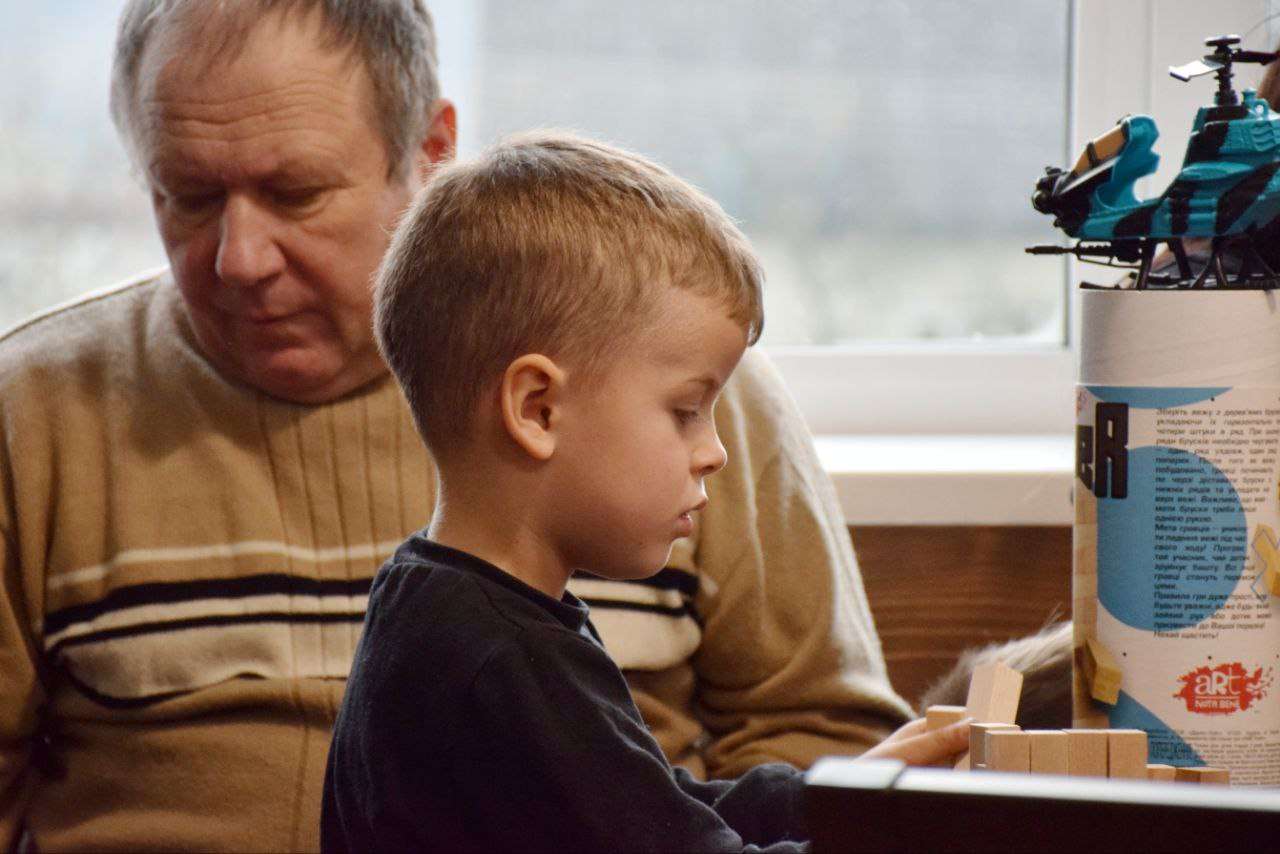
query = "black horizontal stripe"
{"x": 112, "y": 702}
{"x": 169, "y": 592}
{"x": 666, "y": 579}
{"x": 165, "y": 626}
{"x": 647, "y": 607}
{"x": 672, "y": 579}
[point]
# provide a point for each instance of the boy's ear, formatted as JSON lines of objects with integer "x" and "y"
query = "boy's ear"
{"x": 531, "y": 400}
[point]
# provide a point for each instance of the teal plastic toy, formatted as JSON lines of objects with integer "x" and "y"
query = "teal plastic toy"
{"x": 1227, "y": 191}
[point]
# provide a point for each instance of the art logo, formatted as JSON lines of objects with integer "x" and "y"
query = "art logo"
{"x": 1223, "y": 689}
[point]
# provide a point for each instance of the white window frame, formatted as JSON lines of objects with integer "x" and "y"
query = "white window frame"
{"x": 949, "y": 388}
{"x": 907, "y": 388}
{"x": 1120, "y": 53}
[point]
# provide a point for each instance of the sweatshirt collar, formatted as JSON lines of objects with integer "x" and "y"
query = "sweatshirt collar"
{"x": 569, "y": 610}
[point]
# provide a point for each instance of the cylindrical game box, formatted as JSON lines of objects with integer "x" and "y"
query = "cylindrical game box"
{"x": 1177, "y": 525}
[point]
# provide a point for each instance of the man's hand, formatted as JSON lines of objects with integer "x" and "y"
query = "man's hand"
{"x": 914, "y": 744}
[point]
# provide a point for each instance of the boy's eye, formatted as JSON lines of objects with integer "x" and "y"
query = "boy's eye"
{"x": 687, "y": 416}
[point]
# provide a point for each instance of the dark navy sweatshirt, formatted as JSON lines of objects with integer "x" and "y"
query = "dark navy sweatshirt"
{"x": 483, "y": 715}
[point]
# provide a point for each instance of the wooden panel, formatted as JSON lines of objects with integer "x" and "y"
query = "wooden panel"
{"x": 937, "y": 591}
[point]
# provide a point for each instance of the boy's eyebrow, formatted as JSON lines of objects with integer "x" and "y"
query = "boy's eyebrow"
{"x": 707, "y": 381}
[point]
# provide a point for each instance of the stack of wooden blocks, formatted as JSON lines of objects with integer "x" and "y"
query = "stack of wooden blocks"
{"x": 996, "y": 743}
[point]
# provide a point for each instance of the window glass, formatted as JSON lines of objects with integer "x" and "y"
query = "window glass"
{"x": 880, "y": 155}
{"x": 72, "y": 218}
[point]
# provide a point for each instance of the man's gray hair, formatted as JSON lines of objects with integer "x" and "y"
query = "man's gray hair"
{"x": 394, "y": 38}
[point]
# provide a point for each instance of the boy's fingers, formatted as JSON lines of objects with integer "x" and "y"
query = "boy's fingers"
{"x": 930, "y": 747}
{"x": 955, "y": 738}
{"x": 911, "y": 728}
{"x": 915, "y": 744}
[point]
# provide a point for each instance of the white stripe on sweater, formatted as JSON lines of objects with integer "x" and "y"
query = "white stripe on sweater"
{"x": 164, "y": 662}
{"x": 618, "y": 591}
{"x": 223, "y": 551}
{"x": 211, "y": 607}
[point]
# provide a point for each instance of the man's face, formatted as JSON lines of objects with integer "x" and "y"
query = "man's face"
{"x": 636, "y": 447}
{"x": 270, "y": 189}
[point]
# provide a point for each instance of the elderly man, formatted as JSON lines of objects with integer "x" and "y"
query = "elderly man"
{"x": 201, "y": 471}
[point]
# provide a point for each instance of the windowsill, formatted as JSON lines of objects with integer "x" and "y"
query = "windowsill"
{"x": 951, "y": 480}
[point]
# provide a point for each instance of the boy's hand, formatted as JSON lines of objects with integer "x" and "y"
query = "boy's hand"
{"x": 914, "y": 744}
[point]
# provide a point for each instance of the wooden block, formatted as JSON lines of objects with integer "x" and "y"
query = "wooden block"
{"x": 1087, "y": 752}
{"x": 1161, "y": 773}
{"x": 1048, "y": 751}
{"x": 978, "y": 740}
{"x": 1086, "y": 506}
{"x": 1084, "y": 583}
{"x": 1271, "y": 578}
{"x": 1127, "y": 753}
{"x": 937, "y": 717}
{"x": 994, "y": 691}
{"x": 976, "y": 757}
{"x": 1100, "y": 671}
{"x": 1084, "y": 614}
{"x": 1007, "y": 750}
{"x": 1086, "y": 713}
{"x": 1203, "y": 774}
{"x": 1265, "y": 547}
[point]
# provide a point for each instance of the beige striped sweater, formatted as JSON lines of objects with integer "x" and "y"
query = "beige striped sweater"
{"x": 186, "y": 564}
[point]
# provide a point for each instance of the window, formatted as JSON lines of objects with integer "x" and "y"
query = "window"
{"x": 879, "y": 155}
{"x": 71, "y": 217}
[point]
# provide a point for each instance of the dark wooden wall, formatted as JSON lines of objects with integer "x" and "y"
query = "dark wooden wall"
{"x": 936, "y": 591}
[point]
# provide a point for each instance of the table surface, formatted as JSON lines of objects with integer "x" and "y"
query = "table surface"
{"x": 884, "y": 806}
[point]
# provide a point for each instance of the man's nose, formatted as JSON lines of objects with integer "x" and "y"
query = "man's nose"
{"x": 247, "y": 250}
{"x": 710, "y": 456}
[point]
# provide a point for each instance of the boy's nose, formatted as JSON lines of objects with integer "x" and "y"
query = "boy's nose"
{"x": 711, "y": 457}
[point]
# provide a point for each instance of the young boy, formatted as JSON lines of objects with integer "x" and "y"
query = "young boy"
{"x": 561, "y": 316}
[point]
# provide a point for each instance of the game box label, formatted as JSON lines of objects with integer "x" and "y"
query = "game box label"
{"x": 1177, "y": 498}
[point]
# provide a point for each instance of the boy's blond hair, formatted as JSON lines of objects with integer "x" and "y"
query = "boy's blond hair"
{"x": 546, "y": 243}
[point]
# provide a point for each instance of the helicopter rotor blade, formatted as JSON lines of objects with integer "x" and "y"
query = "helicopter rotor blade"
{"x": 1194, "y": 69}
{"x": 1260, "y": 57}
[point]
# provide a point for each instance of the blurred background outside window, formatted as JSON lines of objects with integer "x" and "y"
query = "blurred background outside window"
{"x": 879, "y": 155}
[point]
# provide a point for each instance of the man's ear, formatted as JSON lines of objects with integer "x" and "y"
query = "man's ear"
{"x": 531, "y": 398}
{"x": 441, "y": 139}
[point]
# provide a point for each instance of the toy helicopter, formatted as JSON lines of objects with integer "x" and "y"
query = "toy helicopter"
{"x": 1227, "y": 191}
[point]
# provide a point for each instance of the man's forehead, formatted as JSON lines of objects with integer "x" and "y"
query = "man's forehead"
{"x": 284, "y": 100}
{"x": 284, "y": 165}
{"x": 285, "y": 130}
{"x": 192, "y": 52}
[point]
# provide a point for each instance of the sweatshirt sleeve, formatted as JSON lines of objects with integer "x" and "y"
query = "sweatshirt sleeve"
{"x": 20, "y": 691}
{"x": 764, "y": 804}
{"x": 565, "y": 758}
{"x": 790, "y": 667}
